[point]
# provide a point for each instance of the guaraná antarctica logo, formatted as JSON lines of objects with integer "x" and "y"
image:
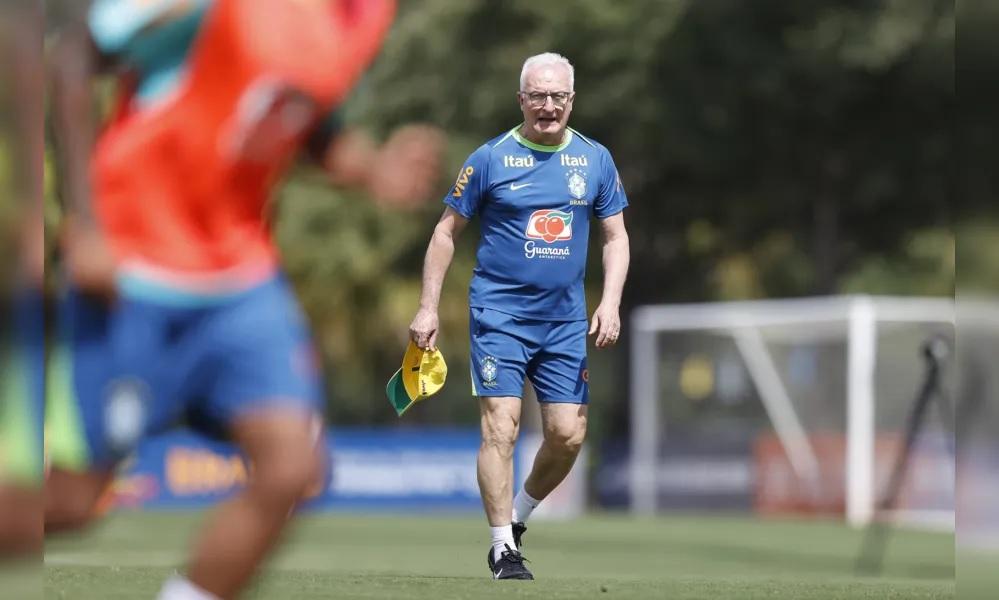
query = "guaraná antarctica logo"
{"x": 549, "y": 225}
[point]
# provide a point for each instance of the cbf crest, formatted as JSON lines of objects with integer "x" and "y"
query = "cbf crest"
{"x": 577, "y": 183}
{"x": 489, "y": 370}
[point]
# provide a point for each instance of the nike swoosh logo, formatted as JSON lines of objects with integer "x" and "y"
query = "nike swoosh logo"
{"x": 516, "y": 186}
{"x": 498, "y": 573}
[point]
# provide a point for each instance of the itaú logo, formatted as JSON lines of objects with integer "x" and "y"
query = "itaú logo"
{"x": 549, "y": 225}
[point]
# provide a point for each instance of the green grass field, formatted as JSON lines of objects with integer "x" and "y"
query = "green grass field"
{"x": 679, "y": 557}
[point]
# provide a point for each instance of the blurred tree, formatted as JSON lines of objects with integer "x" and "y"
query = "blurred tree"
{"x": 768, "y": 149}
{"x": 825, "y": 121}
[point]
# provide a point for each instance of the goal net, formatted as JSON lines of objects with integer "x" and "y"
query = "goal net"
{"x": 812, "y": 396}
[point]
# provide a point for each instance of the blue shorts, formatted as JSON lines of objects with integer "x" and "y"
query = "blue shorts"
{"x": 551, "y": 354}
{"x": 141, "y": 367}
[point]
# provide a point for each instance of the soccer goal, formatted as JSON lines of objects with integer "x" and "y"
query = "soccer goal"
{"x": 819, "y": 389}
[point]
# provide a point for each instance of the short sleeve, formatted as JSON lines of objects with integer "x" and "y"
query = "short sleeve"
{"x": 469, "y": 189}
{"x": 611, "y": 198}
{"x": 114, "y": 23}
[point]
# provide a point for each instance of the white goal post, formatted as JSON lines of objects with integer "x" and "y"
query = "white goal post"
{"x": 858, "y": 317}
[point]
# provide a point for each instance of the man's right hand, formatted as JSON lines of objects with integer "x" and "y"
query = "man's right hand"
{"x": 423, "y": 329}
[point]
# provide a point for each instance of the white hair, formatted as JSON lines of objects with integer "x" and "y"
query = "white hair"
{"x": 547, "y": 59}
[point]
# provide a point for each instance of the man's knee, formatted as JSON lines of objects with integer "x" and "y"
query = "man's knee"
{"x": 499, "y": 431}
{"x": 69, "y": 515}
{"x": 500, "y": 438}
{"x": 285, "y": 477}
{"x": 72, "y": 500}
{"x": 500, "y": 435}
{"x": 285, "y": 452}
{"x": 20, "y": 522}
{"x": 566, "y": 438}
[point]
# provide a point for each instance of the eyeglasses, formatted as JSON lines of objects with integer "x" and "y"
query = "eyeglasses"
{"x": 538, "y": 99}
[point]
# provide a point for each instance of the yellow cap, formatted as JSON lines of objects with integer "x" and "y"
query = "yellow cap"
{"x": 422, "y": 375}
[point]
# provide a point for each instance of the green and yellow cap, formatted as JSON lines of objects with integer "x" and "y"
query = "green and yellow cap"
{"x": 422, "y": 375}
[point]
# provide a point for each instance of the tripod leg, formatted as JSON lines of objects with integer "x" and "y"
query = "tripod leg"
{"x": 876, "y": 536}
{"x": 947, "y": 417}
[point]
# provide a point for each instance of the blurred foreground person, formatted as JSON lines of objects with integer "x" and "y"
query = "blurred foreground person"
{"x": 177, "y": 306}
{"x": 22, "y": 330}
{"x": 534, "y": 188}
{"x": 22, "y": 367}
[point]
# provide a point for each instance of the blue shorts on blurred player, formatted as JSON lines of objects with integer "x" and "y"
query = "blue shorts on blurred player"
{"x": 145, "y": 365}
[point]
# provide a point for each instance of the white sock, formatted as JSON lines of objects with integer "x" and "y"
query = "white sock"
{"x": 179, "y": 588}
{"x": 523, "y": 506}
{"x": 502, "y": 537}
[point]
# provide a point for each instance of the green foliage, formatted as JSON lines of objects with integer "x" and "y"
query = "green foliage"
{"x": 924, "y": 264}
{"x": 358, "y": 273}
{"x": 768, "y": 149}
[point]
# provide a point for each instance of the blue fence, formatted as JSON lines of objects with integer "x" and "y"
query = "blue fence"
{"x": 423, "y": 469}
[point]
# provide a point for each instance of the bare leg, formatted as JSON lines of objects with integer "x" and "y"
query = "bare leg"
{"x": 71, "y": 498}
{"x": 500, "y": 426}
{"x": 20, "y": 521}
{"x": 564, "y": 428}
{"x": 282, "y": 447}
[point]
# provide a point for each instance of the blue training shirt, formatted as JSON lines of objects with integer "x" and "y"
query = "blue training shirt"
{"x": 534, "y": 204}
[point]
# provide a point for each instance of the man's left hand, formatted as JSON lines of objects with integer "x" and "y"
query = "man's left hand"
{"x": 606, "y": 324}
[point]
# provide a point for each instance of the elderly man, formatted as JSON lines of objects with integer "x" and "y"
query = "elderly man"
{"x": 534, "y": 188}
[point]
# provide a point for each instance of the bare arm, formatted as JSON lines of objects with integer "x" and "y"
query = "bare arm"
{"x": 423, "y": 330}
{"x": 400, "y": 173}
{"x": 88, "y": 260}
{"x": 616, "y": 256}
{"x": 73, "y": 67}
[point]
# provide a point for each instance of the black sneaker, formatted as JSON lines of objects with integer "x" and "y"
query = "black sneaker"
{"x": 519, "y": 529}
{"x": 509, "y": 566}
